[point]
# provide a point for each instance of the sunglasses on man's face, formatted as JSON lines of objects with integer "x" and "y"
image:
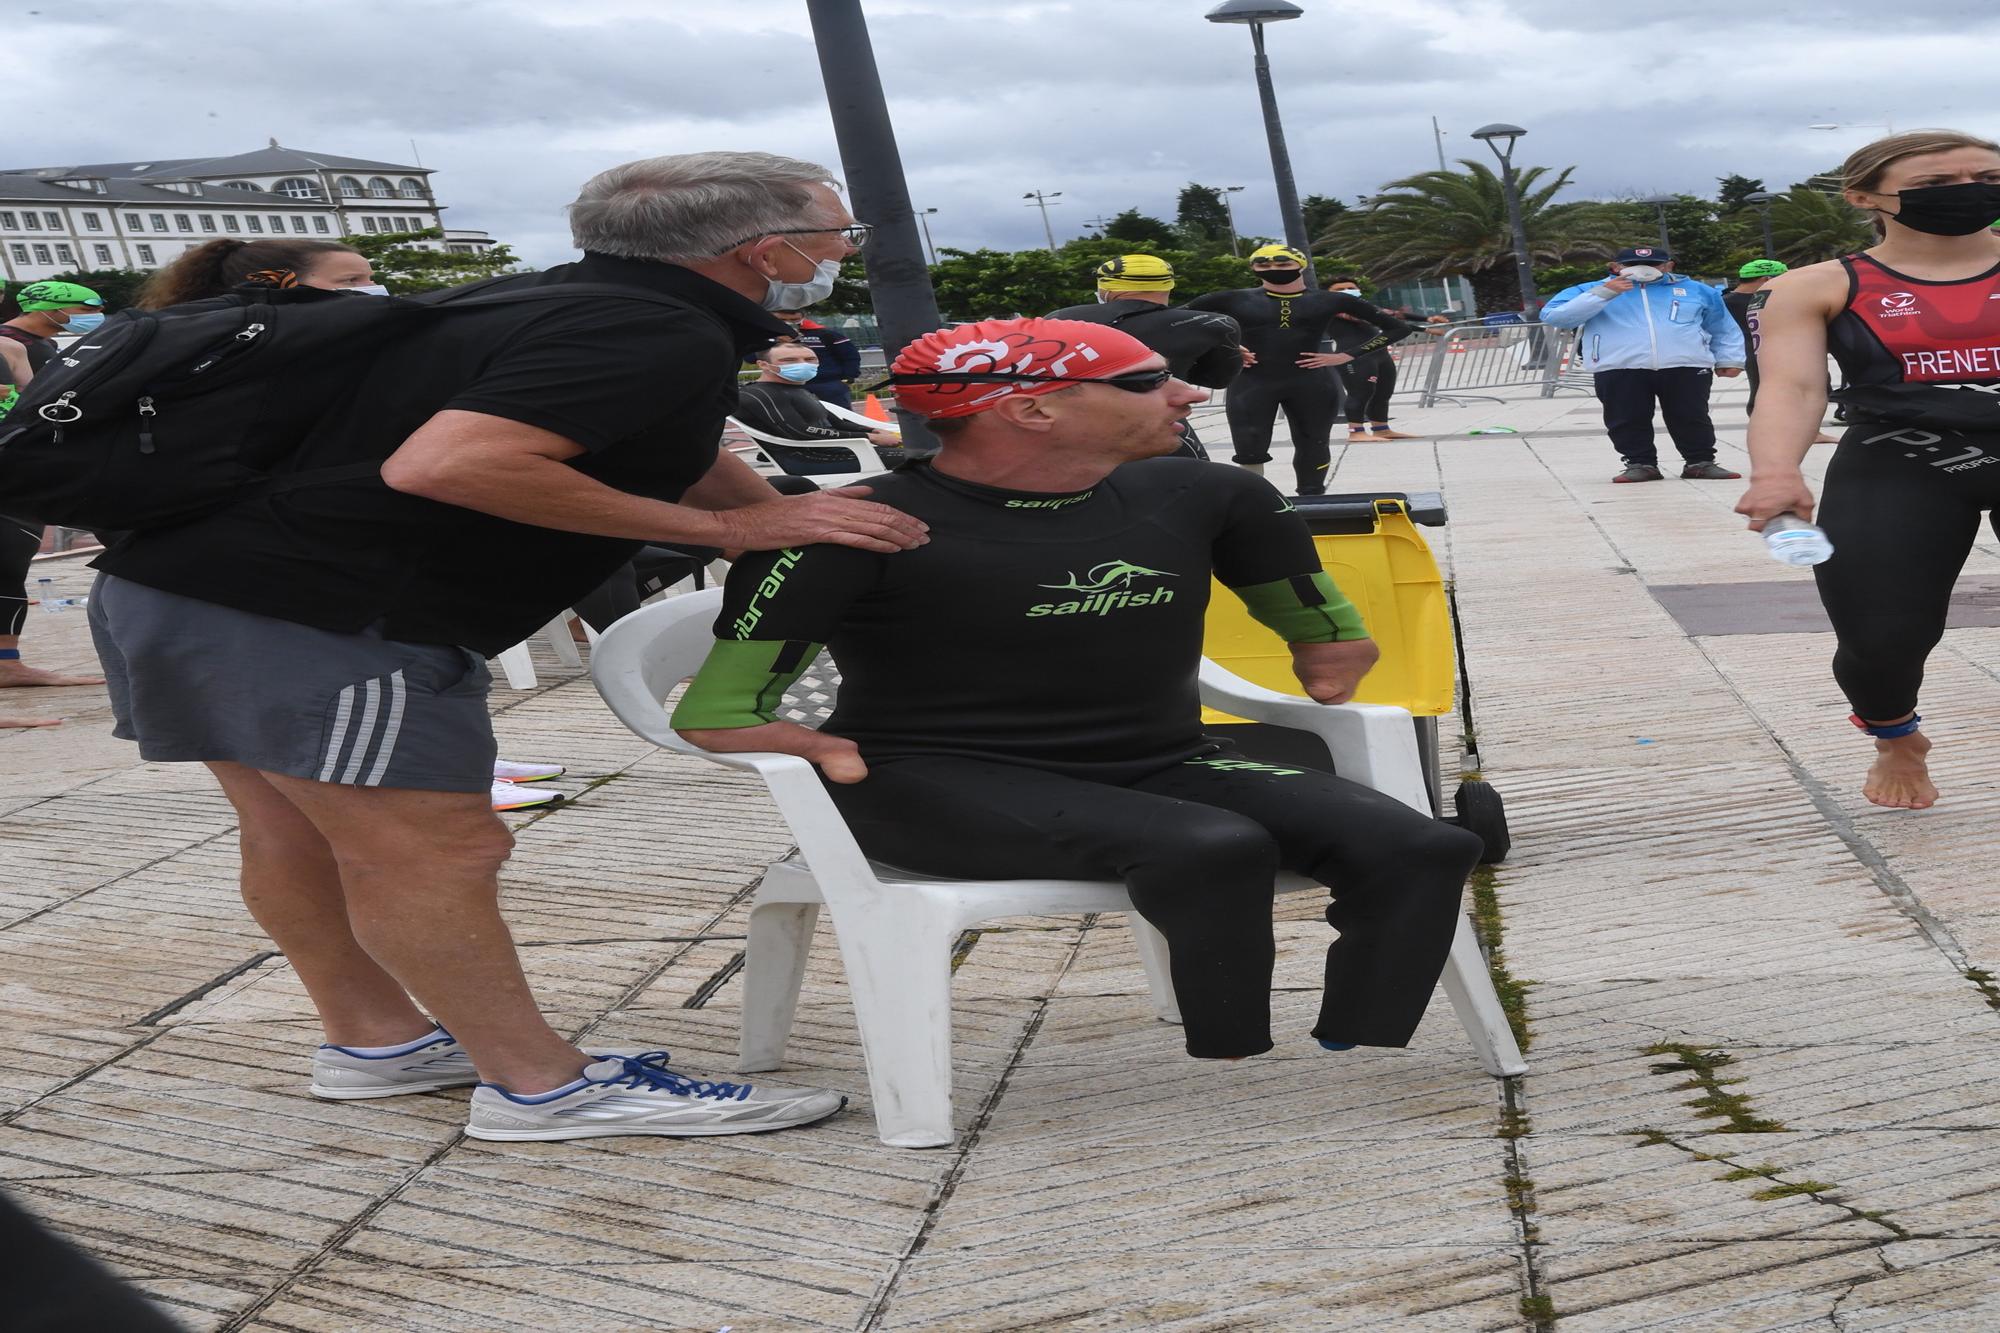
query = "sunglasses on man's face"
{"x": 1138, "y": 381}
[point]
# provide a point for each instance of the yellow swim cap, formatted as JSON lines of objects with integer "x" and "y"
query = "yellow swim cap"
{"x": 1136, "y": 273}
{"x": 1276, "y": 251}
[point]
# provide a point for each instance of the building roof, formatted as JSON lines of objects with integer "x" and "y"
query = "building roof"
{"x": 270, "y": 161}
{"x": 16, "y": 187}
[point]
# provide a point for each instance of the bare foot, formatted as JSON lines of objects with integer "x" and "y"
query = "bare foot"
{"x": 20, "y": 673}
{"x": 1384, "y": 433}
{"x": 1824, "y": 438}
{"x": 6, "y": 722}
{"x": 1899, "y": 777}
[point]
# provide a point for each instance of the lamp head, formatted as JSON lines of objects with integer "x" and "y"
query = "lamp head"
{"x": 1759, "y": 197}
{"x": 1253, "y": 11}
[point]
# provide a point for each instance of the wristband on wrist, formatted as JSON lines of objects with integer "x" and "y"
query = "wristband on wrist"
{"x": 1894, "y": 731}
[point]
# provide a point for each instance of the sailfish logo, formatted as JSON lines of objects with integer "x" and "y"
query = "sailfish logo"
{"x": 1105, "y": 588}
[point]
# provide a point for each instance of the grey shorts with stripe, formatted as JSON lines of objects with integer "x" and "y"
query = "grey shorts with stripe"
{"x": 194, "y": 682}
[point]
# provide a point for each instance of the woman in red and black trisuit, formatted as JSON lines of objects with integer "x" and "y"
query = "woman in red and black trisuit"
{"x": 1914, "y": 323}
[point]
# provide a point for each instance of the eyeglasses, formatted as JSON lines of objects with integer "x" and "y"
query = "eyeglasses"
{"x": 1142, "y": 381}
{"x": 855, "y": 235}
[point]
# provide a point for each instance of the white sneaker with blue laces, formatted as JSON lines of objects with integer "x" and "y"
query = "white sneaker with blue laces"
{"x": 427, "y": 1064}
{"x": 641, "y": 1095}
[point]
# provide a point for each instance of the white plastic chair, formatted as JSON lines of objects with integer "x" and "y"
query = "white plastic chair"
{"x": 896, "y": 930}
{"x": 866, "y": 461}
{"x": 517, "y": 664}
{"x": 848, "y": 414}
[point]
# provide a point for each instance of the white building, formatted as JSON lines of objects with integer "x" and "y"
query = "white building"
{"x": 144, "y": 214}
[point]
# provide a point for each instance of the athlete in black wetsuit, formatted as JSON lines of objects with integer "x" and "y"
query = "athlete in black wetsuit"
{"x": 1283, "y": 326}
{"x": 1022, "y": 690}
{"x": 1200, "y": 346}
{"x": 1371, "y": 376}
{"x": 778, "y": 404}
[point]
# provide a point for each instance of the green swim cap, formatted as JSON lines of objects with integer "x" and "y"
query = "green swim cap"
{"x": 1762, "y": 268}
{"x": 55, "y": 296}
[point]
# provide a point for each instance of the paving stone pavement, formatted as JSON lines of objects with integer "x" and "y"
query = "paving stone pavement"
{"x": 1763, "y": 1042}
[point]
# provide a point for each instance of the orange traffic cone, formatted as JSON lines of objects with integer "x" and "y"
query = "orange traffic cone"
{"x": 872, "y": 409}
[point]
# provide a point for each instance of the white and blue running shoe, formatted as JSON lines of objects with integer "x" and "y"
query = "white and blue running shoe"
{"x": 424, "y": 1065}
{"x": 641, "y": 1095}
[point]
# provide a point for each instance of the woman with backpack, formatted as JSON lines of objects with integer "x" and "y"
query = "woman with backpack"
{"x": 43, "y": 310}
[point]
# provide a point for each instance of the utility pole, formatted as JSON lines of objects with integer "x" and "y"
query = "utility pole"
{"x": 1235, "y": 245}
{"x": 1042, "y": 202}
{"x": 1438, "y": 135}
{"x": 929, "y": 250}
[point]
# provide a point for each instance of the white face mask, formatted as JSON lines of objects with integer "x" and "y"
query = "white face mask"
{"x": 1641, "y": 273}
{"x": 781, "y": 295}
{"x": 368, "y": 289}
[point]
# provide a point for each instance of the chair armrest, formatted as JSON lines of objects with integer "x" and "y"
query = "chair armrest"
{"x": 1372, "y": 744}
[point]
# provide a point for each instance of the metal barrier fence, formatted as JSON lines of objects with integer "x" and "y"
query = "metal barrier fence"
{"x": 1462, "y": 358}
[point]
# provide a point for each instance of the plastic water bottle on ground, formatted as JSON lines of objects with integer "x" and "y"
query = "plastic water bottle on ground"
{"x": 1793, "y": 541}
{"x": 45, "y": 593}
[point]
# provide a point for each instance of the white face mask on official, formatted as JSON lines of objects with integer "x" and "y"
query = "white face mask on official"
{"x": 782, "y": 295}
{"x": 1641, "y": 273}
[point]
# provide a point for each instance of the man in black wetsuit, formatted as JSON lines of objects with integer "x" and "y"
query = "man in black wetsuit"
{"x": 781, "y": 402}
{"x": 1201, "y": 347}
{"x": 1371, "y": 376}
{"x": 1019, "y": 695}
{"x": 1283, "y": 327}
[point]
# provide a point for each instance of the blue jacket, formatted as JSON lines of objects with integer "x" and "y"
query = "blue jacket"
{"x": 1673, "y": 322}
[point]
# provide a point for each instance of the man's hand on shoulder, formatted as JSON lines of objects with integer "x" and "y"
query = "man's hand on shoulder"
{"x": 838, "y": 517}
{"x": 835, "y": 756}
{"x": 1332, "y": 672}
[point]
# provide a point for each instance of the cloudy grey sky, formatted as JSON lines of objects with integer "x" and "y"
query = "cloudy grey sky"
{"x": 1116, "y": 103}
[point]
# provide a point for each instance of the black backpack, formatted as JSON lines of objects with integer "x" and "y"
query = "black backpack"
{"x": 161, "y": 416}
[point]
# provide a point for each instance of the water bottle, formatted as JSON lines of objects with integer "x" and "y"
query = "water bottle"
{"x": 45, "y": 593}
{"x": 1793, "y": 541}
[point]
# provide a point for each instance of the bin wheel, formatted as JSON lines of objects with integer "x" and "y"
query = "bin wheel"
{"x": 1482, "y": 812}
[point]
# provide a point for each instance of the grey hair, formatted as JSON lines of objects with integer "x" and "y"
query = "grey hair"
{"x": 694, "y": 206}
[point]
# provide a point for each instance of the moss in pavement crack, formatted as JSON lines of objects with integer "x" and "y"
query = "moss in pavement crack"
{"x": 1983, "y": 979}
{"x": 1819, "y": 1191}
{"x": 1715, "y": 1102}
{"x": 1486, "y": 924}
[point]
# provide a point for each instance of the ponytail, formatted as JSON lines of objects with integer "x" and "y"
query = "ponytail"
{"x": 213, "y": 269}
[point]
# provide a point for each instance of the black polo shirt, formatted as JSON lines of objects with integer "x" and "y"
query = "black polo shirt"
{"x": 642, "y": 386}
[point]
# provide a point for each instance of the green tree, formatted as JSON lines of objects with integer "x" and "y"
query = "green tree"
{"x": 1732, "y": 188}
{"x": 1808, "y": 226}
{"x": 996, "y": 284}
{"x": 118, "y": 286}
{"x": 1137, "y": 230}
{"x": 403, "y": 266}
{"x": 1201, "y": 218}
{"x": 1320, "y": 211}
{"x": 1702, "y": 241}
{"x": 1444, "y": 223}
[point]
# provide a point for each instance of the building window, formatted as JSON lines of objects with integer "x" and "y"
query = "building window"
{"x": 42, "y": 255}
{"x": 30, "y": 222}
{"x": 145, "y": 253}
{"x": 410, "y": 188}
{"x": 103, "y": 253}
{"x": 229, "y": 223}
{"x": 297, "y": 187}
{"x": 319, "y": 223}
{"x": 298, "y": 223}
{"x": 182, "y": 221}
{"x": 460, "y": 249}
{"x": 20, "y": 254}
{"x": 243, "y": 185}
{"x": 8, "y": 220}
{"x": 54, "y": 221}
{"x": 368, "y": 225}
{"x": 92, "y": 222}
{"x": 65, "y": 254}
{"x": 379, "y": 188}
{"x": 207, "y": 222}
{"x": 348, "y": 186}
{"x": 135, "y": 222}
{"x": 159, "y": 221}
{"x": 254, "y": 222}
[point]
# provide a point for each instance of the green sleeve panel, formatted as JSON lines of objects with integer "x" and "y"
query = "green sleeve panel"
{"x": 1305, "y": 608}
{"x": 742, "y": 682}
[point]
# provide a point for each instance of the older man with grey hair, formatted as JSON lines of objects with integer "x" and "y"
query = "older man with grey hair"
{"x": 320, "y": 649}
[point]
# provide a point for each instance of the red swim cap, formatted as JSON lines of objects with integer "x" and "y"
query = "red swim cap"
{"x": 1063, "y": 349}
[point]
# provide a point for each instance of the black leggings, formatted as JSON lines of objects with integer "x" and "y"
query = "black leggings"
{"x": 1371, "y": 383}
{"x": 1308, "y": 400}
{"x": 19, "y": 541}
{"x": 1197, "y": 844}
{"x": 1902, "y": 508}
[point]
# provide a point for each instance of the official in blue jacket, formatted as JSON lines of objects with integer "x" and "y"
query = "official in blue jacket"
{"x": 1650, "y": 335}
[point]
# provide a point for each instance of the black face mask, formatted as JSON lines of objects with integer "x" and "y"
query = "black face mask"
{"x": 1950, "y": 210}
{"x": 1280, "y": 276}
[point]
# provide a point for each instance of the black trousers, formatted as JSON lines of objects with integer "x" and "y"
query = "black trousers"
{"x": 19, "y": 541}
{"x": 1197, "y": 844}
{"x": 1902, "y": 509}
{"x": 1682, "y": 394}
{"x": 1371, "y": 383}
{"x": 1309, "y": 401}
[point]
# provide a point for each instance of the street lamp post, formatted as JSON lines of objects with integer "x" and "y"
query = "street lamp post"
{"x": 924, "y": 217}
{"x": 1255, "y": 14}
{"x": 1659, "y": 203}
{"x": 1042, "y": 202}
{"x": 899, "y": 283}
{"x": 1493, "y": 136}
{"x": 1235, "y": 245}
{"x": 1763, "y": 198}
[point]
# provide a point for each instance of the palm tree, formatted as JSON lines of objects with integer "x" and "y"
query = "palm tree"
{"x": 1809, "y": 225}
{"x": 1441, "y": 223}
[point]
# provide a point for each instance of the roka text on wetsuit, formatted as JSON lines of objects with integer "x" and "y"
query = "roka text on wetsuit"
{"x": 1023, "y": 690}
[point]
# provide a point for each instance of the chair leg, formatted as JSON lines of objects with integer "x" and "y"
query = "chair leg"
{"x": 774, "y": 966}
{"x": 899, "y": 979}
{"x": 561, "y": 643}
{"x": 1153, "y": 958}
{"x": 1470, "y": 988}
{"x": 518, "y": 666}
